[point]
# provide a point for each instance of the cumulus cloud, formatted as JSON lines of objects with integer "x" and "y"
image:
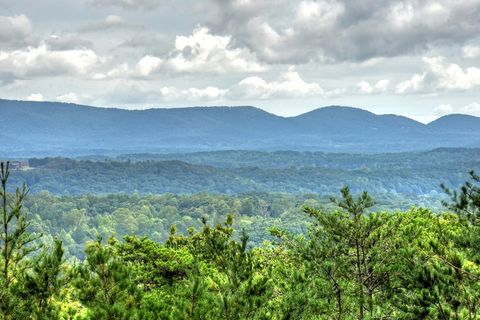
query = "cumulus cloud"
{"x": 35, "y": 97}
{"x": 201, "y": 52}
{"x": 440, "y": 75}
{"x": 291, "y": 32}
{"x": 451, "y": 76}
{"x": 191, "y": 94}
{"x": 209, "y": 93}
{"x": 40, "y": 61}
{"x": 413, "y": 85}
{"x": 131, "y": 93}
{"x": 289, "y": 85}
{"x": 380, "y": 86}
{"x": 120, "y": 71}
{"x": 148, "y": 65}
{"x": 471, "y": 52}
{"x": 443, "y": 109}
{"x": 472, "y": 109}
{"x": 15, "y": 31}
{"x": 69, "y": 98}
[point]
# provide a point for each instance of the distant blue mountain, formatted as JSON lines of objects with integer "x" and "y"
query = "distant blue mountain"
{"x": 50, "y": 128}
{"x": 456, "y": 123}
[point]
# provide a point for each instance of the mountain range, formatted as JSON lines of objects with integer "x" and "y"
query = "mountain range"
{"x": 52, "y": 128}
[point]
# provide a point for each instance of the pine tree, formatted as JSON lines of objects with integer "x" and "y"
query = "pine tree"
{"x": 238, "y": 290}
{"x": 173, "y": 283}
{"x": 15, "y": 242}
{"x": 43, "y": 282}
{"x": 345, "y": 256}
{"x": 466, "y": 201}
{"x": 105, "y": 285}
{"x": 28, "y": 282}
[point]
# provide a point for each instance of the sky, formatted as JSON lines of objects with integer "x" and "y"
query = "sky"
{"x": 417, "y": 58}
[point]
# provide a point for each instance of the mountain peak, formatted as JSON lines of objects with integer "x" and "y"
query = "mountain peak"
{"x": 457, "y": 122}
{"x": 337, "y": 109}
{"x": 456, "y": 117}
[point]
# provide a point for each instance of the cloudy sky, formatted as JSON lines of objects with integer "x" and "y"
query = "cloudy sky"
{"x": 417, "y": 58}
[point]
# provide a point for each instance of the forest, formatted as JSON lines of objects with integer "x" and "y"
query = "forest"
{"x": 77, "y": 219}
{"x": 342, "y": 257}
{"x": 237, "y": 172}
{"x": 77, "y": 200}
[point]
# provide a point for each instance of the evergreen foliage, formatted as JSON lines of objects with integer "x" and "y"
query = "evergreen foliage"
{"x": 28, "y": 283}
{"x": 351, "y": 263}
{"x": 105, "y": 284}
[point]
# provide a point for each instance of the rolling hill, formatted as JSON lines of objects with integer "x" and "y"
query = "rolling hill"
{"x": 50, "y": 128}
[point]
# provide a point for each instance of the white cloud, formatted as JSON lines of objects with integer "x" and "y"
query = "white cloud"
{"x": 120, "y": 71}
{"x": 402, "y": 14}
{"x": 19, "y": 25}
{"x": 191, "y": 94}
{"x": 450, "y": 76}
{"x": 40, "y": 61}
{"x": 113, "y": 20}
{"x": 130, "y": 93}
{"x": 379, "y": 87}
{"x": 148, "y": 65}
{"x": 68, "y": 97}
{"x": 289, "y": 85}
{"x": 201, "y": 52}
{"x": 15, "y": 31}
{"x": 443, "y": 109}
{"x": 335, "y": 93}
{"x": 318, "y": 13}
{"x": 35, "y": 97}
{"x": 440, "y": 75}
{"x": 472, "y": 109}
{"x": 209, "y": 93}
{"x": 471, "y": 52}
{"x": 415, "y": 84}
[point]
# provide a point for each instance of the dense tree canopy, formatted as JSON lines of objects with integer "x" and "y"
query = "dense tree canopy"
{"x": 347, "y": 259}
{"x": 234, "y": 172}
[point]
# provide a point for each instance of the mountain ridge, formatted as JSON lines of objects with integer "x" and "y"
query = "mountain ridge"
{"x": 246, "y": 107}
{"x": 52, "y": 128}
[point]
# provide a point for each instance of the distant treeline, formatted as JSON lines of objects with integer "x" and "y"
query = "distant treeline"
{"x": 235, "y": 172}
{"x": 286, "y": 159}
